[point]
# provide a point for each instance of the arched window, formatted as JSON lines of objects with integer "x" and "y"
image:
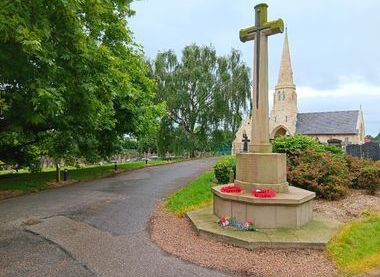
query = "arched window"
{"x": 279, "y": 96}
{"x": 283, "y": 95}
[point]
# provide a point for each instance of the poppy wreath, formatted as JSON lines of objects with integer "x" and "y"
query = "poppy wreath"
{"x": 230, "y": 189}
{"x": 264, "y": 193}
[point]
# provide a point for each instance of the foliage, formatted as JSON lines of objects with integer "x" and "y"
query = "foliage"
{"x": 73, "y": 82}
{"x": 375, "y": 139}
{"x": 224, "y": 169}
{"x": 322, "y": 172}
{"x": 194, "y": 195}
{"x": 356, "y": 249}
{"x": 355, "y": 168}
{"x": 291, "y": 144}
{"x": 369, "y": 179}
{"x": 205, "y": 97}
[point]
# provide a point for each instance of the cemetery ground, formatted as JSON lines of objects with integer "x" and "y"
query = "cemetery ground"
{"x": 355, "y": 250}
{"x": 23, "y": 182}
{"x": 118, "y": 226}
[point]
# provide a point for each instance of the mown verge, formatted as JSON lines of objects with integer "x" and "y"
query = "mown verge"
{"x": 356, "y": 249}
{"x": 195, "y": 194}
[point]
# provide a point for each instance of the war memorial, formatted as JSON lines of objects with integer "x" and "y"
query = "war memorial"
{"x": 286, "y": 219}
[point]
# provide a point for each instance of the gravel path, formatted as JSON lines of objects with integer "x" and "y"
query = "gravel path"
{"x": 176, "y": 236}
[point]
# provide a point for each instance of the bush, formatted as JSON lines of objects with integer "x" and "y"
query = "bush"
{"x": 322, "y": 172}
{"x": 297, "y": 143}
{"x": 369, "y": 179}
{"x": 225, "y": 169}
{"x": 355, "y": 168}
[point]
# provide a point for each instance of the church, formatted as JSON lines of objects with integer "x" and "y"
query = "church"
{"x": 335, "y": 128}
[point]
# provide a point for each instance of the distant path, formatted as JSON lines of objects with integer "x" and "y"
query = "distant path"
{"x": 96, "y": 228}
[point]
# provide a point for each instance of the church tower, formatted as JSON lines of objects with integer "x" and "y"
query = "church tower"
{"x": 284, "y": 112}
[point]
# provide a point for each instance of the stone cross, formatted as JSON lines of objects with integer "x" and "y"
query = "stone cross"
{"x": 245, "y": 141}
{"x": 260, "y": 117}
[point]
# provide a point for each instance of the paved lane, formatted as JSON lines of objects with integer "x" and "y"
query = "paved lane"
{"x": 97, "y": 228}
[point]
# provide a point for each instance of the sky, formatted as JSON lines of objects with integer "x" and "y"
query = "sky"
{"x": 334, "y": 45}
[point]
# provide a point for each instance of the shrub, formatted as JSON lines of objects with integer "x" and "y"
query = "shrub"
{"x": 224, "y": 169}
{"x": 369, "y": 179}
{"x": 355, "y": 167}
{"x": 322, "y": 172}
{"x": 297, "y": 143}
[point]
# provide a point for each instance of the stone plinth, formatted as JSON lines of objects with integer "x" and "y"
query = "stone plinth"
{"x": 287, "y": 210}
{"x": 261, "y": 170}
{"x": 315, "y": 234}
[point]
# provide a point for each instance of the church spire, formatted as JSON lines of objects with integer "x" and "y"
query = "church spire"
{"x": 285, "y": 77}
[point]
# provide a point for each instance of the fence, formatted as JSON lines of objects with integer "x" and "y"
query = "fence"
{"x": 369, "y": 150}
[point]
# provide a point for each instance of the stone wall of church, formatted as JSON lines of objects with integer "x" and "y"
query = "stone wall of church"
{"x": 345, "y": 138}
{"x": 246, "y": 126}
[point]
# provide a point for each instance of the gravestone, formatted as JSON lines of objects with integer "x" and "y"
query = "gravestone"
{"x": 245, "y": 142}
{"x": 259, "y": 168}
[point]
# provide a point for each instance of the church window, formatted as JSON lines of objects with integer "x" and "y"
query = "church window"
{"x": 286, "y": 118}
{"x": 275, "y": 119}
{"x": 279, "y": 96}
{"x": 283, "y": 95}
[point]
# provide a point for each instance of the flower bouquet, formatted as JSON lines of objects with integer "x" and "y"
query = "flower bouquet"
{"x": 235, "y": 224}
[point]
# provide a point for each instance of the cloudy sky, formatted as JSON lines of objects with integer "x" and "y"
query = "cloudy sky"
{"x": 335, "y": 44}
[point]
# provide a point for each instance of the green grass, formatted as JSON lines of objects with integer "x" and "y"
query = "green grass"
{"x": 356, "y": 249}
{"x": 194, "y": 195}
{"x": 31, "y": 182}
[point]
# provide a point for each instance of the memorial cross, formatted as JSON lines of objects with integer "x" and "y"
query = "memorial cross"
{"x": 259, "y": 33}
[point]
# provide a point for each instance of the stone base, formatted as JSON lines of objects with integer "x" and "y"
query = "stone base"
{"x": 286, "y": 210}
{"x": 315, "y": 234}
{"x": 260, "y": 148}
{"x": 261, "y": 169}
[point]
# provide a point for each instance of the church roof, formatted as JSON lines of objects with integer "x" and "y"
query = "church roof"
{"x": 342, "y": 122}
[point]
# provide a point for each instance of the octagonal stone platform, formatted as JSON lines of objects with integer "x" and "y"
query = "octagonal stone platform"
{"x": 313, "y": 235}
{"x": 292, "y": 209}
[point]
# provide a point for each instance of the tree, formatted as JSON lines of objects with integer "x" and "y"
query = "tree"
{"x": 72, "y": 80}
{"x": 377, "y": 138}
{"x": 204, "y": 94}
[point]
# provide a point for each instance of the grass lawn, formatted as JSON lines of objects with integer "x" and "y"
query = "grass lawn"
{"x": 356, "y": 248}
{"x": 194, "y": 195}
{"x": 32, "y": 182}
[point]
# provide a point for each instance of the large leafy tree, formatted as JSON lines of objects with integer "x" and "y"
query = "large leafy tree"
{"x": 205, "y": 97}
{"x": 72, "y": 80}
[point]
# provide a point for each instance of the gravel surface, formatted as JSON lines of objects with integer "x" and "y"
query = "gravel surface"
{"x": 348, "y": 208}
{"x": 176, "y": 236}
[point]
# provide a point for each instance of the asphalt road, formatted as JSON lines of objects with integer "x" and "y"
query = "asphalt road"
{"x": 96, "y": 228}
